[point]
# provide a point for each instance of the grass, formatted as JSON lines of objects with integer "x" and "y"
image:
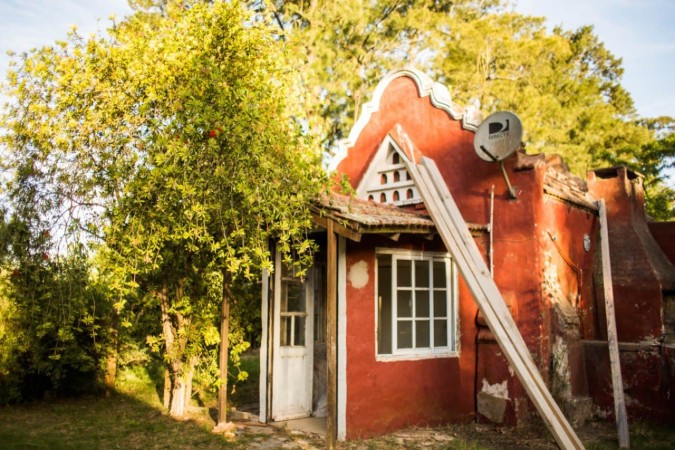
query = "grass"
{"x": 119, "y": 421}
{"x": 132, "y": 418}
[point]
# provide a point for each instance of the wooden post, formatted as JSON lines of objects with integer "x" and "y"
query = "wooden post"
{"x": 223, "y": 351}
{"x": 331, "y": 336}
{"x": 612, "y": 339}
{"x": 459, "y": 242}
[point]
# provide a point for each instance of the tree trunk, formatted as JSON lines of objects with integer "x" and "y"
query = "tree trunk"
{"x": 177, "y": 409}
{"x": 113, "y": 352}
{"x": 176, "y": 387}
{"x": 192, "y": 363}
{"x": 167, "y": 389}
{"x": 224, "y": 343}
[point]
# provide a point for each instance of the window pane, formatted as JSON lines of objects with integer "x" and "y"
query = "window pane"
{"x": 296, "y": 297}
{"x": 404, "y": 336}
{"x": 440, "y": 304}
{"x": 421, "y": 334}
{"x": 439, "y": 274}
{"x": 384, "y": 304}
{"x": 404, "y": 304}
{"x": 440, "y": 333}
{"x": 421, "y": 304}
{"x": 286, "y": 330}
{"x": 299, "y": 331}
{"x": 421, "y": 273}
{"x": 404, "y": 275}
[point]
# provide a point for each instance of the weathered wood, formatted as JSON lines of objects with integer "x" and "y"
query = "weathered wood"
{"x": 612, "y": 339}
{"x": 337, "y": 228}
{"x": 459, "y": 242}
{"x": 331, "y": 335}
{"x": 265, "y": 346}
{"x": 223, "y": 350}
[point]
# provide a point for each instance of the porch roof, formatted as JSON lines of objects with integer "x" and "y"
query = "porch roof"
{"x": 369, "y": 217}
{"x": 357, "y": 216}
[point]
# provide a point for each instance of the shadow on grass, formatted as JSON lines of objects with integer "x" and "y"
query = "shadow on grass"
{"x": 133, "y": 417}
{"x": 119, "y": 421}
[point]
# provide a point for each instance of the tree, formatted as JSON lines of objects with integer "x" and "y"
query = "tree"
{"x": 182, "y": 130}
{"x": 565, "y": 85}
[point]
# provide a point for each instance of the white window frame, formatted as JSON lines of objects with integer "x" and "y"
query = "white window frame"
{"x": 452, "y": 308}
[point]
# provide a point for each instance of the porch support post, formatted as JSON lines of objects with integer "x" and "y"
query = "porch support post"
{"x": 331, "y": 338}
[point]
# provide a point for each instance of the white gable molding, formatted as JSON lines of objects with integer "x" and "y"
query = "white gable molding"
{"x": 426, "y": 87}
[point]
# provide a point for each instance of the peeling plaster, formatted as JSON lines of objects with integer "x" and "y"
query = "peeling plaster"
{"x": 358, "y": 274}
{"x": 561, "y": 376}
{"x": 498, "y": 390}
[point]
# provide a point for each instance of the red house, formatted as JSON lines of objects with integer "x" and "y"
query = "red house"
{"x": 384, "y": 333}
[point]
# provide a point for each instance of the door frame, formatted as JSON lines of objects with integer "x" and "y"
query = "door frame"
{"x": 269, "y": 289}
{"x": 302, "y": 384}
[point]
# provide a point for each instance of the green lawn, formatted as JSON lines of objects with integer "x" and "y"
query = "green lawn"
{"x": 119, "y": 421}
{"x": 133, "y": 418}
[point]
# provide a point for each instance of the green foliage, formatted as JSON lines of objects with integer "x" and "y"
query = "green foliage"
{"x": 52, "y": 329}
{"x": 565, "y": 85}
{"x": 176, "y": 145}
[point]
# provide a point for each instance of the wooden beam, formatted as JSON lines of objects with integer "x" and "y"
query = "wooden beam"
{"x": 612, "y": 339}
{"x": 331, "y": 335}
{"x": 323, "y": 221}
{"x": 459, "y": 242}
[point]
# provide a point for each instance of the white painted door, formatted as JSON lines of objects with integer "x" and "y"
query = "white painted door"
{"x": 292, "y": 345}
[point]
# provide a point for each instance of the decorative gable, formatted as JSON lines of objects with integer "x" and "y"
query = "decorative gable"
{"x": 387, "y": 180}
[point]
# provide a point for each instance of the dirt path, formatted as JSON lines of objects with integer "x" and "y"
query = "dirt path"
{"x": 253, "y": 435}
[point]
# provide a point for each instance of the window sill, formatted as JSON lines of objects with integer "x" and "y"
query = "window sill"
{"x": 416, "y": 357}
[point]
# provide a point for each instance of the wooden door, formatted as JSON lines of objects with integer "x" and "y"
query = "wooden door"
{"x": 292, "y": 345}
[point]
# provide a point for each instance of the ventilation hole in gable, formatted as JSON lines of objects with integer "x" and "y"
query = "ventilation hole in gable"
{"x": 383, "y": 178}
{"x": 407, "y": 176}
{"x": 409, "y": 194}
{"x": 383, "y": 198}
{"x": 397, "y": 177}
{"x": 396, "y": 196}
{"x": 395, "y": 159}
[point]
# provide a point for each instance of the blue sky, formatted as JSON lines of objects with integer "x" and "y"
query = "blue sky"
{"x": 642, "y": 32}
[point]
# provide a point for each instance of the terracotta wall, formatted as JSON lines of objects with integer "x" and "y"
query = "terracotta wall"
{"x": 516, "y": 259}
{"x": 643, "y": 280}
{"x": 542, "y": 270}
{"x": 386, "y": 396}
{"x": 640, "y": 270}
{"x": 521, "y": 233}
{"x": 664, "y": 233}
{"x": 648, "y": 377}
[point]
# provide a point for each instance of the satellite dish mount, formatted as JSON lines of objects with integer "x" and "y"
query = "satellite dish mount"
{"x": 497, "y": 137}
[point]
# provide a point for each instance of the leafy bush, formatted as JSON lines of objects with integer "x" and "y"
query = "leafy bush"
{"x": 53, "y": 328}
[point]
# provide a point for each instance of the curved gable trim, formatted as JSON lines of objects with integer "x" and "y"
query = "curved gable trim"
{"x": 437, "y": 92}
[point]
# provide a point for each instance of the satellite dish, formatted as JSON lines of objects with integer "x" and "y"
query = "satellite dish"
{"x": 499, "y": 135}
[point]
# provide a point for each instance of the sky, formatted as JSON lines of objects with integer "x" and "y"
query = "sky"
{"x": 642, "y": 32}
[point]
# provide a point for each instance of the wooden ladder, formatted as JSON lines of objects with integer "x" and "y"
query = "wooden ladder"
{"x": 458, "y": 240}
